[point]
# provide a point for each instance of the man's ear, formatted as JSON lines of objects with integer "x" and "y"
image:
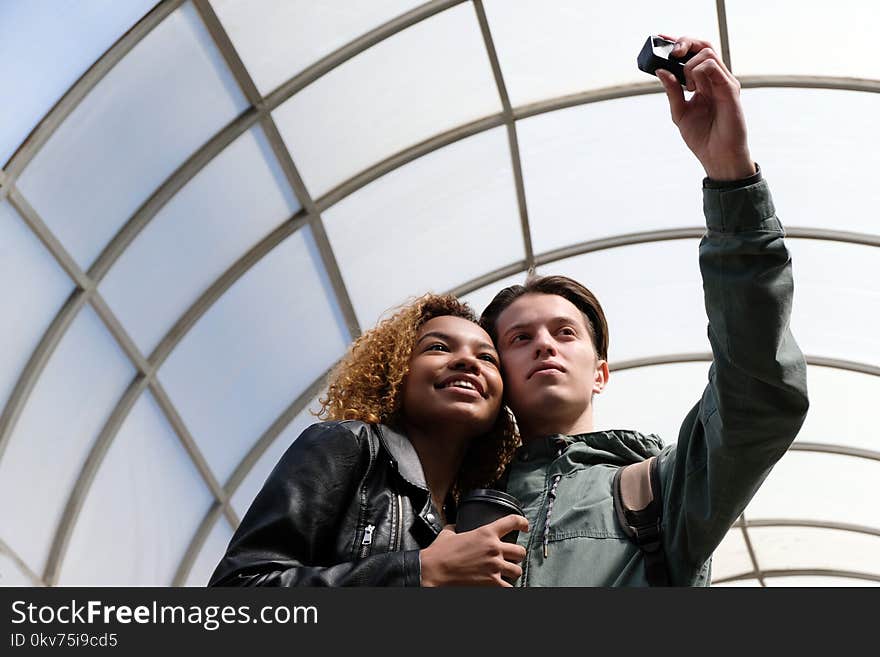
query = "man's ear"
{"x": 600, "y": 379}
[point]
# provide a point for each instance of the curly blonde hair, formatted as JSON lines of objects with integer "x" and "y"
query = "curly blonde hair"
{"x": 367, "y": 385}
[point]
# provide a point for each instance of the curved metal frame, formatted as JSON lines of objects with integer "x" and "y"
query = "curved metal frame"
{"x": 260, "y": 112}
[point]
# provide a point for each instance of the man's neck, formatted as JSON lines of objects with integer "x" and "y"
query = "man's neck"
{"x": 552, "y": 425}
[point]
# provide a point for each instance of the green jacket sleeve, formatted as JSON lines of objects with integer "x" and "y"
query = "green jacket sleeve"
{"x": 756, "y": 398}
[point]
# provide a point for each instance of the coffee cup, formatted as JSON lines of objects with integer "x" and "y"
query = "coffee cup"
{"x": 484, "y": 505}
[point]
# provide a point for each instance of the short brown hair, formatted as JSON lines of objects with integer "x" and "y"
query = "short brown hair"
{"x": 562, "y": 286}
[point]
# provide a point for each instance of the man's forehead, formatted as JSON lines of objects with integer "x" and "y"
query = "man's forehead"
{"x": 537, "y": 308}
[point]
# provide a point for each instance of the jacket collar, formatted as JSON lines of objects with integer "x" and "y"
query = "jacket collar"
{"x": 614, "y": 446}
{"x": 403, "y": 456}
{"x": 405, "y": 460}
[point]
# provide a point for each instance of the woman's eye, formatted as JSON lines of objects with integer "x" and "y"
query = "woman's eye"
{"x": 567, "y": 331}
{"x": 437, "y": 346}
{"x": 519, "y": 337}
{"x": 489, "y": 358}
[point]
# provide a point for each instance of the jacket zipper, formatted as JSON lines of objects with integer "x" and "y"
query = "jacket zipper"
{"x": 367, "y": 540}
{"x": 398, "y": 539}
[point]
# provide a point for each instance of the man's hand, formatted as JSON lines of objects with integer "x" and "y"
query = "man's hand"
{"x": 711, "y": 123}
{"x": 475, "y": 558}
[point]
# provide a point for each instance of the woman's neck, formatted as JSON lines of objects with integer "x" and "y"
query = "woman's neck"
{"x": 441, "y": 454}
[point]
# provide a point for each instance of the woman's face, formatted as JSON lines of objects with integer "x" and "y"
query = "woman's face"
{"x": 453, "y": 377}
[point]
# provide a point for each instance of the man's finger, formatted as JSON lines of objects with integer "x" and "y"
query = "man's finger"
{"x": 674, "y": 93}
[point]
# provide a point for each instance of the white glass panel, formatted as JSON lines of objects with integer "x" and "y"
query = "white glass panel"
{"x": 804, "y": 37}
{"x": 837, "y": 299}
{"x": 652, "y": 399}
{"x": 212, "y": 551}
{"x": 253, "y": 482}
{"x": 45, "y": 46}
{"x": 276, "y": 39}
{"x": 817, "y": 149}
{"x": 399, "y": 92}
{"x": 638, "y": 284}
{"x": 169, "y": 95}
{"x": 814, "y": 486}
{"x": 431, "y": 225}
{"x": 269, "y": 337}
{"x": 31, "y": 306}
{"x": 564, "y": 46}
{"x": 142, "y": 509}
{"x": 11, "y": 574}
{"x": 778, "y": 548}
{"x": 731, "y": 557}
{"x": 68, "y": 407}
{"x": 237, "y": 199}
{"x": 833, "y": 582}
{"x": 479, "y": 299}
{"x": 607, "y": 169}
{"x": 842, "y": 408}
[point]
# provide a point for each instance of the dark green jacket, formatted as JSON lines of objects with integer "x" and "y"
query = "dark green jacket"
{"x": 750, "y": 412}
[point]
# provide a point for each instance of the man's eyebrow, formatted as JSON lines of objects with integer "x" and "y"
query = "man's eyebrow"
{"x": 559, "y": 319}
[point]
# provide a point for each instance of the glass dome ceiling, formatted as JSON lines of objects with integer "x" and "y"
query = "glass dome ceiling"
{"x": 202, "y": 203}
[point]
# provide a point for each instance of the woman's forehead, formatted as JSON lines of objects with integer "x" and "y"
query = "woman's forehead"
{"x": 453, "y": 327}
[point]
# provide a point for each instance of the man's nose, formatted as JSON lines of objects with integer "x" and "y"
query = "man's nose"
{"x": 544, "y": 344}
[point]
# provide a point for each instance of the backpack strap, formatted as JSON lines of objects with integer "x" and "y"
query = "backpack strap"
{"x": 639, "y": 508}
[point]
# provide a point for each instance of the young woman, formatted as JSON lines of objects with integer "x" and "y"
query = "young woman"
{"x": 415, "y": 419}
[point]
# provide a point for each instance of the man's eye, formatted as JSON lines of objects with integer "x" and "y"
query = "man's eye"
{"x": 567, "y": 330}
{"x": 489, "y": 358}
{"x": 437, "y": 346}
{"x": 519, "y": 337}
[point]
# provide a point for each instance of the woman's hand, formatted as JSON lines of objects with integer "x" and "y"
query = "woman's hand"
{"x": 474, "y": 558}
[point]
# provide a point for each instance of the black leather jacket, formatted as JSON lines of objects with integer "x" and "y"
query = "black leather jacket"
{"x": 346, "y": 505}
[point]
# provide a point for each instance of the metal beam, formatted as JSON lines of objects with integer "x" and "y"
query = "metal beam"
{"x": 803, "y": 572}
{"x": 721, "y": 10}
{"x": 89, "y": 80}
{"x": 195, "y": 545}
{"x": 512, "y": 138}
{"x": 814, "y": 524}
{"x": 36, "y": 363}
{"x": 323, "y": 66}
{"x": 282, "y": 154}
{"x": 76, "y": 498}
{"x": 705, "y": 356}
{"x": 241, "y": 471}
{"x": 173, "y": 184}
{"x": 840, "y": 450}
{"x": 20, "y": 564}
{"x": 743, "y": 525}
{"x": 52, "y": 243}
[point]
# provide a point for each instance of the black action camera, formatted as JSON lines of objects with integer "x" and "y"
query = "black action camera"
{"x": 656, "y": 54}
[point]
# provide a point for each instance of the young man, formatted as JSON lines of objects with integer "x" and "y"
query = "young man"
{"x": 552, "y": 339}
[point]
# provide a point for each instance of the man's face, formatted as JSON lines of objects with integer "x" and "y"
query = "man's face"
{"x": 548, "y": 361}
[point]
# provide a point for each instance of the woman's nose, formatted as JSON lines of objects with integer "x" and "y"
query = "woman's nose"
{"x": 463, "y": 361}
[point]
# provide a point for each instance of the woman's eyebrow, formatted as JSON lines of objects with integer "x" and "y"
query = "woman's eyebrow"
{"x": 434, "y": 334}
{"x": 447, "y": 338}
